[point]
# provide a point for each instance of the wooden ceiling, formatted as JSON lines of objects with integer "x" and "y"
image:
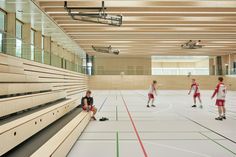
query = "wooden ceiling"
{"x": 153, "y": 27}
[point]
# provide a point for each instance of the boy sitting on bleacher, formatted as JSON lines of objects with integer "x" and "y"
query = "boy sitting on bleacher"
{"x": 87, "y": 104}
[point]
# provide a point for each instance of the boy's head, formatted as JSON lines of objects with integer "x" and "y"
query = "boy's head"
{"x": 220, "y": 79}
{"x": 154, "y": 82}
{"x": 88, "y": 93}
{"x": 193, "y": 80}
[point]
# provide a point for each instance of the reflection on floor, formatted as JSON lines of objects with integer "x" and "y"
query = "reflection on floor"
{"x": 173, "y": 128}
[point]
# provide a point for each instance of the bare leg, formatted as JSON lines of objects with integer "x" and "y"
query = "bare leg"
{"x": 153, "y": 103}
{"x": 219, "y": 111}
{"x": 223, "y": 109}
{"x": 148, "y": 102}
{"x": 194, "y": 100}
{"x": 199, "y": 98}
{"x": 94, "y": 111}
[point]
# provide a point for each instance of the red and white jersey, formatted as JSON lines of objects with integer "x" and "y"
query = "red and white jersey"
{"x": 220, "y": 91}
{"x": 195, "y": 88}
{"x": 152, "y": 90}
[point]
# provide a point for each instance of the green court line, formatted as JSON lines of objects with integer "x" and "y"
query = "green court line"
{"x": 116, "y": 114}
{"x": 218, "y": 143}
{"x": 117, "y": 145}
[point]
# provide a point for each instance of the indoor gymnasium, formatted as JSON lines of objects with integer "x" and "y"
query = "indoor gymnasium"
{"x": 118, "y": 78}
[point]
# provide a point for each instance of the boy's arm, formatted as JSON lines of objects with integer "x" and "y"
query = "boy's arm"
{"x": 216, "y": 91}
{"x": 190, "y": 89}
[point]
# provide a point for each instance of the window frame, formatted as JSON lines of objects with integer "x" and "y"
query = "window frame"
{"x": 19, "y": 39}
{"x": 3, "y": 32}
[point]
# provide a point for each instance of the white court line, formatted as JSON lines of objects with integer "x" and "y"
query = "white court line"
{"x": 170, "y": 106}
{"x": 179, "y": 149}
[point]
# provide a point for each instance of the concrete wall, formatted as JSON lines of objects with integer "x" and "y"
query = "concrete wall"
{"x": 135, "y": 82}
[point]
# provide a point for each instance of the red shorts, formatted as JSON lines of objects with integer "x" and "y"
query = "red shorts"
{"x": 85, "y": 109}
{"x": 220, "y": 102}
{"x": 196, "y": 95}
{"x": 150, "y": 96}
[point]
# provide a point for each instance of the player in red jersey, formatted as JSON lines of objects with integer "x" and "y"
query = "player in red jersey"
{"x": 152, "y": 91}
{"x": 220, "y": 93}
{"x": 195, "y": 88}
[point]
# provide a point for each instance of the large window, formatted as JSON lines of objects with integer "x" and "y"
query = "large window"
{"x": 42, "y": 49}
{"x": 32, "y": 33}
{"x": 2, "y": 29}
{"x": 180, "y": 65}
{"x": 18, "y": 38}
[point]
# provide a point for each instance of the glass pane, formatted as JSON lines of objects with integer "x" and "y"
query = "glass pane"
{"x": 1, "y": 42}
{"x": 18, "y": 47}
{"x": 42, "y": 42}
{"x": 32, "y": 37}
{"x": 32, "y": 52}
{"x": 18, "y": 30}
{"x": 180, "y": 65}
{"x": 2, "y": 21}
{"x": 42, "y": 48}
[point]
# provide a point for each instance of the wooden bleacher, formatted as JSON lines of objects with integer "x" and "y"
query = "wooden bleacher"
{"x": 26, "y": 85}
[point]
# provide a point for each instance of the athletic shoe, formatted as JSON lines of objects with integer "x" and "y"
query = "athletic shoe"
{"x": 201, "y": 106}
{"x": 224, "y": 117}
{"x": 219, "y": 118}
{"x": 194, "y": 106}
{"x": 93, "y": 118}
{"x": 103, "y": 119}
{"x": 148, "y": 106}
{"x": 153, "y": 105}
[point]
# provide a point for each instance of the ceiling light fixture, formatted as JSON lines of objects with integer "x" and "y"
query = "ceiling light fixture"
{"x": 191, "y": 44}
{"x": 93, "y": 14}
{"x": 105, "y": 49}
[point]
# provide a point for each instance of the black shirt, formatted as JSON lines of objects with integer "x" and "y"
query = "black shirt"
{"x": 89, "y": 100}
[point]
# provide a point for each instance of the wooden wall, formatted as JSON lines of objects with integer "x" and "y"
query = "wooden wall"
{"x": 130, "y": 66}
{"x": 135, "y": 82}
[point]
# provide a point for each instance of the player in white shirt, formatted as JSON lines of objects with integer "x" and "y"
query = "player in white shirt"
{"x": 152, "y": 91}
{"x": 220, "y": 93}
{"x": 196, "y": 93}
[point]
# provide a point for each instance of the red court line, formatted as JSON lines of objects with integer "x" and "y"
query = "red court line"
{"x": 135, "y": 130}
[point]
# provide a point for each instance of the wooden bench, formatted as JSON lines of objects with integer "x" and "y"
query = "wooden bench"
{"x": 61, "y": 143}
{"x": 34, "y": 72}
{"x": 10, "y": 77}
{"x": 20, "y": 103}
{"x": 18, "y": 88}
{"x": 24, "y": 76}
{"x": 17, "y": 131}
